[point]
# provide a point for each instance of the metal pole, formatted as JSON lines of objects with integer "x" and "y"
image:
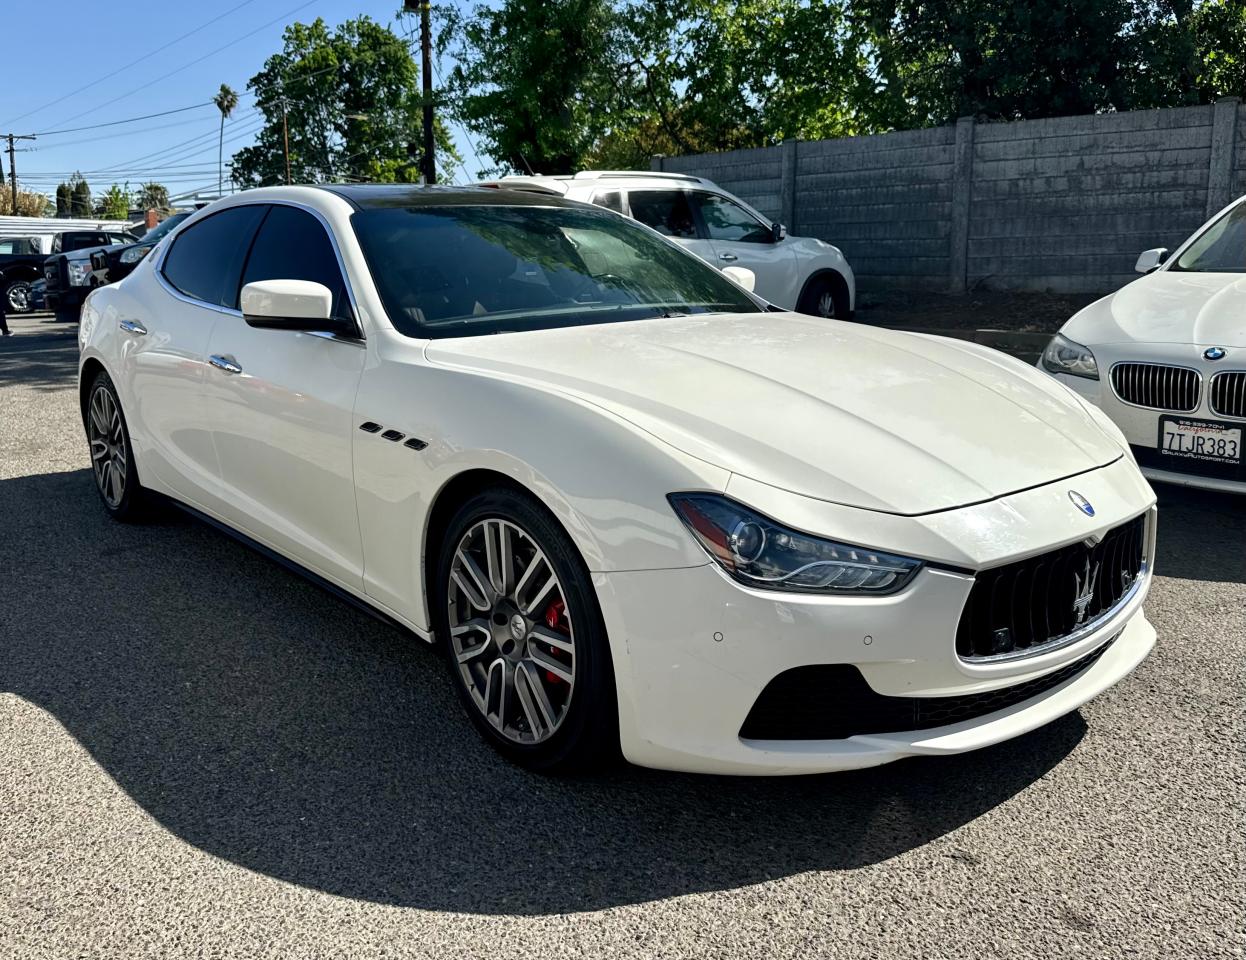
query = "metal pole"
{"x": 426, "y": 49}
{"x": 285, "y": 135}
{"x": 12, "y": 137}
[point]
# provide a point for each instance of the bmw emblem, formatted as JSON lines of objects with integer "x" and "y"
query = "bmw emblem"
{"x": 1081, "y": 503}
{"x": 1214, "y": 353}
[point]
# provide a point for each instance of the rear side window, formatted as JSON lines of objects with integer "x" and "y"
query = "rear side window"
{"x": 667, "y": 211}
{"x": 610, "y": 199}
{"x": 293, "y": 245}
{"x": 206, "y": 259}
{"x": 725, "y": 220}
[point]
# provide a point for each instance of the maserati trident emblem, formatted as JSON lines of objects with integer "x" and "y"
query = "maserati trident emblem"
{"x": 1214, "y": 353}
{"x": 1085, "y": 590}
{"x": 1081, "y": 503}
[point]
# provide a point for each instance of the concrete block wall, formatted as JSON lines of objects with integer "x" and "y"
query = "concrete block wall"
{"x": 1063, "y": 204}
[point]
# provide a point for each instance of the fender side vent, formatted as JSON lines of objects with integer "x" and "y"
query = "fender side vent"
{"x": 370, "y": 427}
{"x": 393, "y": 435}
{"x": 415, "y": 443}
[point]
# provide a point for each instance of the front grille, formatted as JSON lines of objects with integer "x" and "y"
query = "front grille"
{"x": 1157, "y": 386}
{"x": 1022, "y": 607}
{"x": 1228, "y": 393}
{"x": 833, "y": 702}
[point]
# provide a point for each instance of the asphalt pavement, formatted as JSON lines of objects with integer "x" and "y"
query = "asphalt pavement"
{"x": 203, "y": 755}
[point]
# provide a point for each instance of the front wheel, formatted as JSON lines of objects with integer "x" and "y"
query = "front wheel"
{"x": 523, "y": 633}
{"x": 825, "y": 296}
{"x": 17, "y": 297}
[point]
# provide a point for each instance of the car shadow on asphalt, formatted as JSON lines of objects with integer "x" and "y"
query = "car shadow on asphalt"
{"x": 270, "y": 724}
{"x": 1202, "y": 534}
{"x": 40, "y": 360}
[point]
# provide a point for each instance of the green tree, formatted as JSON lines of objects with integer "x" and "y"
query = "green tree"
{"x": 114, "y": 204}
{"x": 80, "y": 197}
{"x": 351, "y": 103}
{"x": 64, "y": 199}
{"x": 152, "y": 196}
{"x": 226, "y": 100}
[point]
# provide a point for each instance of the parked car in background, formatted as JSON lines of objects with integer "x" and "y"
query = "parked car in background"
{"x": 1165, "y": 357}
{"x": 113, "y": 263}
{"x": 39, "y": 294}
{"x": 636, "y": 506}
{"x": 69, "y": 272}
{"x": 797, "y": 273}
{"x": 21, "y": 263}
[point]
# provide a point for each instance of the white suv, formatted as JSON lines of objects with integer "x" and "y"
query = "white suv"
{"x": 796, "y": 273}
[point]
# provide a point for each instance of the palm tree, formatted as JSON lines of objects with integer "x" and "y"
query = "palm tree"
{"x": 225, "y": 101}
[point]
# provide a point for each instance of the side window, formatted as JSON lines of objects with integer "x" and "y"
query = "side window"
{"x": 667, "y": 211}
{"x": 610, "y": 199}
{"x": 206, "y": 259}
{"x": 725, "y": 220}
{"x": 293, "y": 245}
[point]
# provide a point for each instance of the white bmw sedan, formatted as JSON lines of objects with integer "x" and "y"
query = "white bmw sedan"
{"x": 636, "y": 507}
{"x": 1165, "y": 357}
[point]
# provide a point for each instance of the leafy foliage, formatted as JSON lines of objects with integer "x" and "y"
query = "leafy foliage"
{"x": 114, "y": 204}
{"x": 28, "y": 204}
{"x": 564, "y": 84}
{"x": 152, "y": 196}
{"x": 351, "y": 103}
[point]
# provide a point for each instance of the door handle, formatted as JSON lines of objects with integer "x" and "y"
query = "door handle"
{"x": 226, "y": 363}
{"x": 132, "y": 326}
{"x": 729, "y": 257}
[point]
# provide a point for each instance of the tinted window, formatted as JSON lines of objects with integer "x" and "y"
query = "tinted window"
{"x": 610, "y": 199}
{"x": 293, "y": 245}
{"x": 458, "y": 271}
{"x": 206, "y": 259}
{"x": 725, "y": 220}
{"x": 1221, "y": 249}
{"x": 667, "y": 211}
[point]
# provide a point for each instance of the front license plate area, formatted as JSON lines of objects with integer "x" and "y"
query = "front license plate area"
{"x": 1181, "y": 438}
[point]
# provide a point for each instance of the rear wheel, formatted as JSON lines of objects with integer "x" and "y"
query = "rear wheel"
{"x": 523, "y": 633}
{"x": 112, "y": 458}
{"x": 17, "y": 296}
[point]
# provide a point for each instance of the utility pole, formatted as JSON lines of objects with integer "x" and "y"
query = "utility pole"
{"x": 428, "y": 160}
{"x": 12, "y": 137}
{"x": 285, "y": 135}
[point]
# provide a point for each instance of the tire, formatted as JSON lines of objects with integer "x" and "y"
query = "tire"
{"x": 112, "y": 457}
{"x": 17, "y": 296}
{"x": 569, "y": 719}
{"x": 825, "y": 298}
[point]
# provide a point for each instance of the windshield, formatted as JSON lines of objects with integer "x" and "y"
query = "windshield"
{"x": 1221, "y": 248}
{"x": 156, "y": 233}
{"x": 458, "y": 271}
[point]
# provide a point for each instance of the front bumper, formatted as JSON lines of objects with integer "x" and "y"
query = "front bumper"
{"x": 1141, "y": 425}
{"x": 693, "y": 650}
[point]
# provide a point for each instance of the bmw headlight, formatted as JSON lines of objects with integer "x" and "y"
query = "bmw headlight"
{"x": 134, "y": 254}
{"x": 758, "y": 552}
{"x": 79, "y": 273}
{"x": 1065, "y": 356}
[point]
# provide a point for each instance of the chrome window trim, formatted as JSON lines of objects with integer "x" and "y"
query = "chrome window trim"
{"x": 164, "y": 248}
{"x": 1198, "y": 374}
{"x": 1211, "y": 391}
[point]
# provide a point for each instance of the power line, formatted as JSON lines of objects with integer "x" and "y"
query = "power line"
{"x": 116, "y": 123}
{"x": 191, "y": 63}
{"x": 122, "y": 69}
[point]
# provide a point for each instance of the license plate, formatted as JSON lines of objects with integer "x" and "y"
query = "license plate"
{"x": 1200, "y": 440}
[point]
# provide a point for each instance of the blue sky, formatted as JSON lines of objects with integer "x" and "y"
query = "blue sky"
{"x": 53, "y": 62}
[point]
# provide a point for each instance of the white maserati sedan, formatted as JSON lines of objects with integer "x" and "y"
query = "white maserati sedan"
{"x": 1165, "y": 357}
{"x": 636, "y": 507}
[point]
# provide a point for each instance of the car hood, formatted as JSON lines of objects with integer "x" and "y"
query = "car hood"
{"x": 856, "y": 415}
{"x": 1168, "y": 306}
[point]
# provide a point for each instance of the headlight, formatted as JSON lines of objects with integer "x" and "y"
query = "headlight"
{"x": 1064, "y": 356}
{"x": 79, "y": 273}
{"x": 134, "y": 254}
{"x": 758, "y": 552}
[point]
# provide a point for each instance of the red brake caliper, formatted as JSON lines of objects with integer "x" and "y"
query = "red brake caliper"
{"x": 553, "y": 620}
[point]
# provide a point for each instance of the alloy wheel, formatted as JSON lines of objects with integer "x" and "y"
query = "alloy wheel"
{"x": 511, "y": 631}
{"x": 106, "y": 432}
{"x": 19, "y": 297}
{"x": 826, "y": 305}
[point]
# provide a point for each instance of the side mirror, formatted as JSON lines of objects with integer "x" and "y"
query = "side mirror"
{"x": 1149, "y": 260}
{"x": 777, "y": 231}
{"x": 292, "y": 305}
{"x": 743, "y": 276}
